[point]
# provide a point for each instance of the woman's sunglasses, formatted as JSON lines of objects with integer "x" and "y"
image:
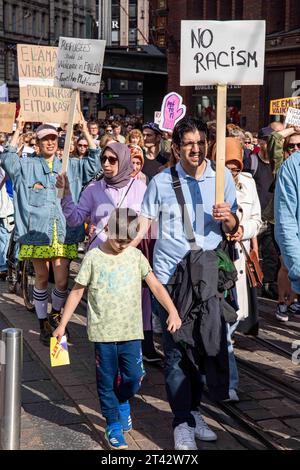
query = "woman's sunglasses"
{"x": 111, "y": 160}
{"x": 292, "y": 146}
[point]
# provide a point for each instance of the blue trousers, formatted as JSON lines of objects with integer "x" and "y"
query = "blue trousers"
{"x": 4, "y": 242}
{"x": 119, "y": 371}
{"x": 183, "y": 381}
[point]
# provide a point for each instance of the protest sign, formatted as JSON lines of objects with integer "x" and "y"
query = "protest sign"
{"x": 222, "y": 52}
{"x": 157, "y": 116}
{"x": 101, "y": 114}
{"x": 7, "y": 116}
{"x": 118, "y": 111}
{"x": 172, "y": 111}
{"x": 40, "y": 100}
{"x": 79, "y": 64}
{"x": 293, "y": 117}
{"x": 280, "y": 107}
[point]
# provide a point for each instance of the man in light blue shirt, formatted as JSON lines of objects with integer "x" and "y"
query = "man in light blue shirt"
{"x": 197, "y": 178}
{"x": 287, "y": 217}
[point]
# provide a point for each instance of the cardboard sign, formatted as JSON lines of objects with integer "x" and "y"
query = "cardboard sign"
{"x": 293, "y": 117}
{"x": 101, "y": 114}
{"x": 7, "y": 117}
{"x": 172, "y": 111}
{"x": 79, "y": 64}
{"x": 40, "y": 100}
{"x": 59, "y": 355}
{"x": 222, "y": 52}
{"x": 119, "y": 111}
{"x": 280, "y": 107}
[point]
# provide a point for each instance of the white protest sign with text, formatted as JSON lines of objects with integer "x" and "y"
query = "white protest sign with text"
{"x": 222, "y": 52}
{"x": 293, "y": 117}
{"x": 157, "y": 117}
{"x": 41, "y": 101}
{"x": 79, "y": 64}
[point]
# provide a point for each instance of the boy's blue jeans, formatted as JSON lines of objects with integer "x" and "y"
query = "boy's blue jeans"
{"x": 119, "y": 370}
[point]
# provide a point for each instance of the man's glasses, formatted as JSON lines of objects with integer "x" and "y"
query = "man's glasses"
{"x": 190, "y": 145}
{"x": 111, "y": 160}
{"x": 292, "y": 146}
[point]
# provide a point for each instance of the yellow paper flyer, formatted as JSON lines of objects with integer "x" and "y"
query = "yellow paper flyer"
{"x": 59, "y": 355}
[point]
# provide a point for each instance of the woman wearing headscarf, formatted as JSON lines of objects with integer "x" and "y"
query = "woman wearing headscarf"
{"x": 249, "y": 214}
{"x": 137, "y": 159}
{"x": 117, "y": 188}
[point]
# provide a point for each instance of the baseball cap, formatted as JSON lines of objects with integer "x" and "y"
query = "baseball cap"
{"x": 46, "y": 129}
{"x": 153, "y": 126}
{"x": 265, "y": 132}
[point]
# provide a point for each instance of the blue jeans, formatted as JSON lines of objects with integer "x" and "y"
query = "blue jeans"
{"x": 183, "y": 381}
{"x": 4, "y": 242}
{"x": 119, "y": 370}
{"x": 233, "y": 370}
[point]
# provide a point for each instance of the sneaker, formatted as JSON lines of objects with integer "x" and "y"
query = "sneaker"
{"x": 233, "y": 396}
{"x": 124, "y": 415}
{"x": 114, "y": 436}
{"x": 184, "y": 437}
{"x": 153, "y": 356}
{"x": 202, "y": 430}
{"x": 294, "y": 309}
{"x": 46, "y": 332}
{"x": 282, "y": 313}
{"x": 54, "y": 318}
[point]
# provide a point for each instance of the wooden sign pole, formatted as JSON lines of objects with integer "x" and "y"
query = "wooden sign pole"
{"x": 66, "y": 154}
{"x": 221, "y": 134}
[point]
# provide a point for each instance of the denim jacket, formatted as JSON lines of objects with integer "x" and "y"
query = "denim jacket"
{"x": 36, "y": 204}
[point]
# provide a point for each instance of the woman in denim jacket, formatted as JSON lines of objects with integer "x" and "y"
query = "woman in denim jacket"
{"x": 41, "y": 228}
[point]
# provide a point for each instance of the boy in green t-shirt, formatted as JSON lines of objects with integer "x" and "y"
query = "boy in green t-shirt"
{"x": 113, "y": 274}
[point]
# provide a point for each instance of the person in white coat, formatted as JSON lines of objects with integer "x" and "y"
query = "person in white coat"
{"x": 249, "y": 214}
{"x": 6, "y": 224}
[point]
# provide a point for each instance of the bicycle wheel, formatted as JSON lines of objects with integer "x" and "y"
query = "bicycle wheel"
{"x": 28, "y": 278}
{"x": 13, "y": 268}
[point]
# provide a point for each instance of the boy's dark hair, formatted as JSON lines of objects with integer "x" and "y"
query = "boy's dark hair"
{"x": 123, "y": 224}
{"x": 187, "y": 124}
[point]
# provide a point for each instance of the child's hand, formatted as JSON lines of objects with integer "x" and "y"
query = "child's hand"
{"x": 173, "y": 321}
{"x": 59, "y": 332}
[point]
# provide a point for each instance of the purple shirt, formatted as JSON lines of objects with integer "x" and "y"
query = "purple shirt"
{"x": 98, "y": 201}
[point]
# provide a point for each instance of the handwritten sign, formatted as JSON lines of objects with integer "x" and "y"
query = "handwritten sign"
{"x": 293, "y": 117}
{"x": 222, "y": 52}
{"x": 172, "y": 111}
{"x": 101, "y": 115}
{"x": 157, "y": 116}
{"x": 79, "y": 64}
{"x": 280, "y": 107}
{"x": 7, "y": 116}
{"x": 59, "y": 355}
{"x": 40, "y": 100}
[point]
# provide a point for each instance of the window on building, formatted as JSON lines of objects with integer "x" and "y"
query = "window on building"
{"x": 14, "y": 10}
{"x": 294, "y": 14}
{"x": 33, "y": 29}
{"x": 211, "y": 9}
{"x": 7, "y": 18}
{"x": 274, "y": 11}
{"x": 82, "y": 30}
{"x": 115, "y": 22}
{"x": 45, "y": 23}
{"x": 132, "y": 33}
{"x": 56, "y": 26}
{"x": 65, "y": 29}
{"x": 123, "y": 84}
{"x": 225, "y": 11}
{"x": 162, "y": 4}
{"x": 238, "y": 10}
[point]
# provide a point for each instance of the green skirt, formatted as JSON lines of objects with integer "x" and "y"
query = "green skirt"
{"x": 56, "y": 250}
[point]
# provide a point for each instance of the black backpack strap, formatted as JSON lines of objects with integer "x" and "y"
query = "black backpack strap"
{"x": 186, "y": 222}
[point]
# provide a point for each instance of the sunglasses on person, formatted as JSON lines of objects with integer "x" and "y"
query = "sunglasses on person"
{"x": 111, "y": 160}
{"x": 82, "y": 145}
{"x": 292, "y": 146}
{"x": 247, "y": 141}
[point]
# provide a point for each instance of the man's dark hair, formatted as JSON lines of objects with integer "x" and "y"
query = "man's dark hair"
{"x": 93, "y": 123}
{"x": 123, "y": 223}
{"x": 188, "y": 124}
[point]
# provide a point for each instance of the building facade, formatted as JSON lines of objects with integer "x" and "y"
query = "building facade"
{"x": 42, "y": 22}
{"x": 282, "y": 64}
{"x": 134, "y": 72}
